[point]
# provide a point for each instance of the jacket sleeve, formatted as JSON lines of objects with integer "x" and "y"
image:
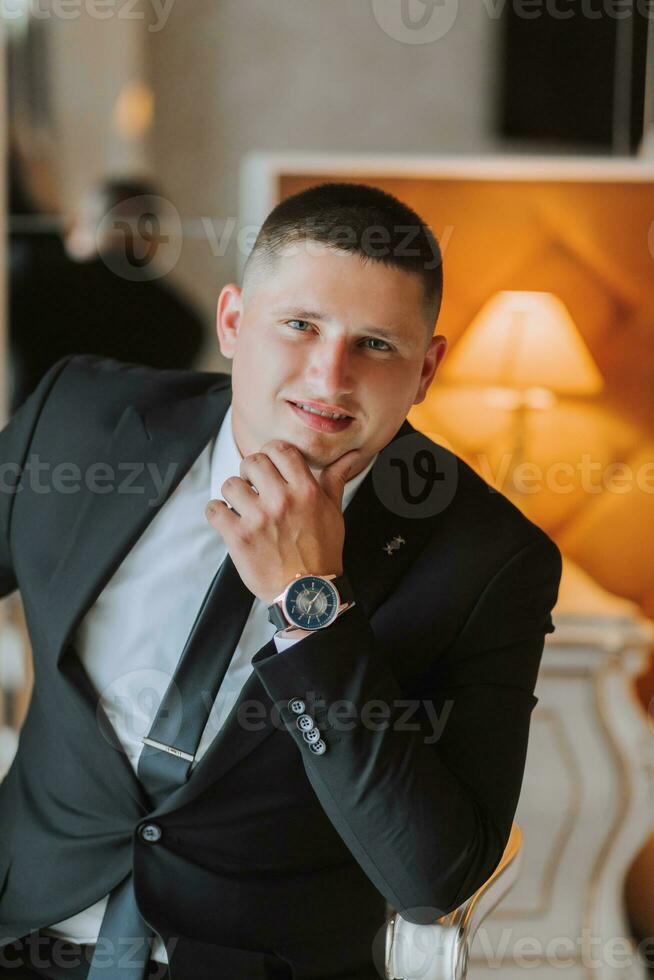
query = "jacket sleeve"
{"x": 15, "y": 440}
{"x": 424, "y": 791}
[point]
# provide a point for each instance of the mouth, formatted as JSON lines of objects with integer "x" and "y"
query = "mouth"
{"x": 323, "y": 418}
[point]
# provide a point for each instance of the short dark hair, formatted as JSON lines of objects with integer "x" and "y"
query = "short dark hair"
{"x": 362, "y": 220}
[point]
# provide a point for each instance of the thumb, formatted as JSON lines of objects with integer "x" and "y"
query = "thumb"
{"x": 334, "y": 477}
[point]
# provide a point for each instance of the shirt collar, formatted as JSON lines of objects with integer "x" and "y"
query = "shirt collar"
{"x": 226, "y": 461}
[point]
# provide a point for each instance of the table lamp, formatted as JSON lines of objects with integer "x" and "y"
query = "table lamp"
{"x": 525, "y": 349}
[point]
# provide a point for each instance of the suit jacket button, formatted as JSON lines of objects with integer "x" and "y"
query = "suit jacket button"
{"x": 311, "y": 736}
{"x": 150, "y": 832}
{"x": 305, "y": 723}
{"x": 319, "y": 747}
{"x": 297, "y": 706}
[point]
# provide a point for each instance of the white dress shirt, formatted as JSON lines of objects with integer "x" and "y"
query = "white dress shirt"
{"x": 131, "y": 639}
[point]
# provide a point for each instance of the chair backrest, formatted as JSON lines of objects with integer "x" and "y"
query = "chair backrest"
{"x": 439, "y": 951}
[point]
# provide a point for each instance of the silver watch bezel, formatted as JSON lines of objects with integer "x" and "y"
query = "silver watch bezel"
{"x": 311, "y": 629}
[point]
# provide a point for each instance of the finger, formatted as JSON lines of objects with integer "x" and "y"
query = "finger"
{"x": 289, "y": 462}
{"x": 260, "y": 470}
{"x": 240, "y": 495}
{"x": 334, "y": 477}
{"x": 221, "y": 518}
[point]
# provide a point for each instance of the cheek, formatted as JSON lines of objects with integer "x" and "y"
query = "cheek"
{"x": 283, "y": 366}
{"x": 252, "y": 364}
{"x": 263, "y": 370}
{"x": 390, "y": 390}
{"x": 390, "y": 399}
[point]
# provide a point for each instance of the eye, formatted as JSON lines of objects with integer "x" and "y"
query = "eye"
{"x": 304, "y": 323}
{"x": 376, "y": 340}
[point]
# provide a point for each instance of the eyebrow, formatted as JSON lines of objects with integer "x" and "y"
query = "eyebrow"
{"x": 302, "y": 314}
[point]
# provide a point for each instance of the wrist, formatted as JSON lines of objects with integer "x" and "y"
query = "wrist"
{"x": 293, "y": 634}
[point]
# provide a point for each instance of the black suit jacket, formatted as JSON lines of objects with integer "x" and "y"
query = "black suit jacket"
{"x": 269, "y": 854}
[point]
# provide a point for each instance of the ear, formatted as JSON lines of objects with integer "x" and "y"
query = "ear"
{"x": 433, "y": 357}
{"x": 228, "y": 318}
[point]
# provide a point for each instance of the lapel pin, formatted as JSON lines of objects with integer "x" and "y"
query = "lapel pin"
{"x": 394, "y": 544}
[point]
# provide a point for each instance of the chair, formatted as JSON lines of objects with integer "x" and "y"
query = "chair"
{"x": 439, "y": 951}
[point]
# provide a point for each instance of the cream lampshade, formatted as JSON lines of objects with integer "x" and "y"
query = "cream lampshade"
{"x": 525, "y": 349}
{"x": 522, "y": 340}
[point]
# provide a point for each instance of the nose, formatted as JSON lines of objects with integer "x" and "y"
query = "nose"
{"x": 330, "y": 370}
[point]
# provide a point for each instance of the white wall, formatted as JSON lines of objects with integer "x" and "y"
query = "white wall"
{"x": 90, "y": 60}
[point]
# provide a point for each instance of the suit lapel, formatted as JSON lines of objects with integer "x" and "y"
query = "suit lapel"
{"x": 158, "y": 449}
{"x": 373, "y": 571}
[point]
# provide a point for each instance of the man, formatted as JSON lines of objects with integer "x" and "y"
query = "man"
{"x": 372, "y": 751}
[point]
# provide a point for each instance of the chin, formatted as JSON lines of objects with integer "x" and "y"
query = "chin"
{"x": 316, "y": 457}
{"x": 318, "y": 448}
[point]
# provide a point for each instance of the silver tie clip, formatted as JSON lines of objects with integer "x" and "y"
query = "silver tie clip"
{"x": 168, "y": 748}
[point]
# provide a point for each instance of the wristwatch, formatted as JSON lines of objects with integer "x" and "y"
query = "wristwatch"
{"x": 311, "y": 602}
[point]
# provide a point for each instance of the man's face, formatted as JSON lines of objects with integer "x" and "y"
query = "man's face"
{"x": 325, "y": 326}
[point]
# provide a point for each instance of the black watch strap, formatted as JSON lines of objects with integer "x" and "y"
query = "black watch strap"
{"x": 278, "y": 619}
{"x": 344, "y": 588}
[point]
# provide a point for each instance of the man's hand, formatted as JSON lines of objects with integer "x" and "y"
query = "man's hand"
{"x": 292, "y": 525}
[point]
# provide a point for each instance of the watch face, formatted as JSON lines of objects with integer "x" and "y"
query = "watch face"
{"x": 311, "y": 602}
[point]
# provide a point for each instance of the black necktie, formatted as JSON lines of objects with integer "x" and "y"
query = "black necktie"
{"x": 165, "y": 761}
{"x": 172, "y": 741}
